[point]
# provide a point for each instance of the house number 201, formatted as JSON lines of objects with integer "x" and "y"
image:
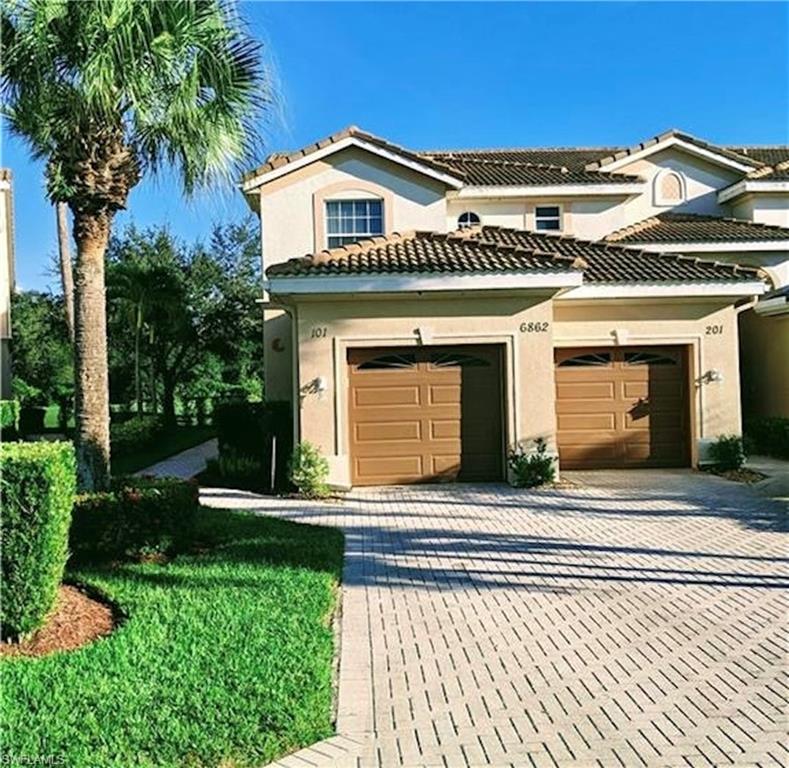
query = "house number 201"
{"x": 714, "y": 330}
{"x": 319, "y": 332}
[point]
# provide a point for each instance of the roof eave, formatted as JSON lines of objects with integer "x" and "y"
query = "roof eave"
{"x": 251, "y": 183}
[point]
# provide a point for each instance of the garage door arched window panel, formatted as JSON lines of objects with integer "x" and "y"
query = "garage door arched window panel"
{"x": 391, "y": 362}
{"x": 650, "y": 358}
{"x": 457, "y": 360}
{"x": 587, "y": 360}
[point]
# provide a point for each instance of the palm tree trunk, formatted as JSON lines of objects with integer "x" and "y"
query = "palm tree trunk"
{"x": 91, "y": 232}
{"x": 66, "y": 275}
{"x": 137, "y": 371}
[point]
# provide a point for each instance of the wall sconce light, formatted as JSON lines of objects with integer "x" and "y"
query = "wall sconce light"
{"x": 321, "y": 385}
{"x": 714, "y": 376}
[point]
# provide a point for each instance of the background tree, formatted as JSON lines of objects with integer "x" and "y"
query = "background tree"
{"x": 66, "y": 267}
{"x": 42, "y": 352}
{"x": 106, "y": 91}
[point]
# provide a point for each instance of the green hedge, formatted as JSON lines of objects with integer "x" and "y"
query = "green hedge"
{"x": 9, "y": 419}
{"x": 768, "y": 436}
{"x": 246, "y": 432}
{"x": 136, "y": 434}
{"x": 138, "y": 516}
{"x": 36, "y": 495}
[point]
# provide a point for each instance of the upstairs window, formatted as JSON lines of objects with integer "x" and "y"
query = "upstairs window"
{"x": 548, "y": 217}
{"x": 468, "y": 219}
{"x": 348, "y": 221}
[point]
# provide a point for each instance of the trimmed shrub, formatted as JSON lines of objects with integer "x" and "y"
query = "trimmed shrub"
{"x": 768, "y": 436}
{"x": 531, "y": 469}
{"x": 9, "y": 418}
{"x": 36, "y": 495}
{"x": 728, "y": 453}
{"x": 309, "y": 471}
{"x": 249, "y": 434}
{"x": 135, "y": 434}
{"x": 139, "y": 516}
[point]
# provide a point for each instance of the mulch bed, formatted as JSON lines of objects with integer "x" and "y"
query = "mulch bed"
{"x": 743, "y": 475}
{"x": 78, "y": 619}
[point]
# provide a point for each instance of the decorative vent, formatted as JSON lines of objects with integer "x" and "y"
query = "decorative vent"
{"x": 648, "y": 358}
{"x": 457, "y": 360}
{"x": 590, "y": 359}
{"x": 387, "y": 362}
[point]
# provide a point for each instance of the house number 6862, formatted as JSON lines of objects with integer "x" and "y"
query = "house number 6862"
{"x": 320, "y": 332}
{"x": 534, "y": 327}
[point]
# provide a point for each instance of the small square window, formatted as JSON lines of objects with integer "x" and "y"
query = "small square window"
{"x": 548, "y": 217}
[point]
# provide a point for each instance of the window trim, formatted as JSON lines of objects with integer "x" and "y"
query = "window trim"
{"x": 559, "y": 215}
{"x": 358, "y": 188}
{"x": 361, "y": 235}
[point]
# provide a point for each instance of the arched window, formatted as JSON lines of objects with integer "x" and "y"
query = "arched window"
{"x": 669, "y": 187}
{"x": 468, "y": 219}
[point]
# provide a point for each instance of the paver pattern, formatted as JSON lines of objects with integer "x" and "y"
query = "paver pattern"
{"x": 628, "y": 619}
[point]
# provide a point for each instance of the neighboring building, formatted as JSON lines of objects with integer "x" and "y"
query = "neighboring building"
{"x": 6, "y": 279}
{"x": 589, "y": 297}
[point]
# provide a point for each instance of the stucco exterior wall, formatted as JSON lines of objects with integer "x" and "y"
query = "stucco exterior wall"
{"x": 411, "y": 200}
{"x": 764, "y": 208}
{"x": 707, "y": 326}
{"x": 6, "y": 280}
{"x": 326, "y": 329}
{"x": 764, "y": 356}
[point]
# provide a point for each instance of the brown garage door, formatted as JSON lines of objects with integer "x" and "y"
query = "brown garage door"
{"x": 425, "y": 414}
{"x": 623, "y": 407}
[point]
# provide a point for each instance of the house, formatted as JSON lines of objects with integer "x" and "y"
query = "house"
{"x": 6, "y": 280}
{"x": 455, "y": 303}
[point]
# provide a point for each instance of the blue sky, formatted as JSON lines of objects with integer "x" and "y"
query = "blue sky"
{"x": 432, "y": 75}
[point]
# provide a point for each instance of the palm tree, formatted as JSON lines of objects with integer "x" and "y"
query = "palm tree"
{"x": 66, "y": 267}
{"x": 106, "y": 91}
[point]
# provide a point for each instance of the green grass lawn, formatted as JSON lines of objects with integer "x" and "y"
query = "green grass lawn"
{"x": 225, "y": 658}
{"x": 172, "y": 441}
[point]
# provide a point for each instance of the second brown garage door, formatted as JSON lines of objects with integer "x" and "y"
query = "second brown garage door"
{"x": 622, "y": 407}
{"x": 425, "y": 414}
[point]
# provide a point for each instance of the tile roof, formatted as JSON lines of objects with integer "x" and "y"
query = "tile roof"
{"x": 424, "y": 253}
{"x": 279, "y": 159}
{"x": 776, "y": 172}
{"x": 723, "y": 151}
{"x": 498, "y": 249}
{"x": 484, "y": 171}
{"x": 696, "y": 228}
{"x": 526, "y": 165}
{"x": 609, "y": 263}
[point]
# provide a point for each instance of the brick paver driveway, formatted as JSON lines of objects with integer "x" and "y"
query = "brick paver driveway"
{"x": 630, "y": 619}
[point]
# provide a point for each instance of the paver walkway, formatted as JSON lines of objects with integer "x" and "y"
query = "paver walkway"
{"x": 186, "y": 464}
{"x": 633, "y": 619}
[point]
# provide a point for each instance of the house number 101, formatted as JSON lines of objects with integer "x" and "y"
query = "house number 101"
{"x": 320, "y": 332}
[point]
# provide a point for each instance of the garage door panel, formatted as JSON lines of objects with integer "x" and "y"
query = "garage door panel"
{"x": 377, "y": 396}
{"x": 644, "y": 421}
{"x": 586, "y": 421}
{"x": 444, "y": 429}
{"x": 442, "y": 394}
{"x": 585, "y": 390}
{"x": 383, "y": 431}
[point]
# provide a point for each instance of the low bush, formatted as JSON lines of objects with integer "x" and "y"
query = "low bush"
{"x": 768, "y": 436}
{"x": 138, "y": 516}
{"x": 9, "y": 418}
{"x": 252, "y": 437}
{"x": 728, "y": 453}
{"x": 36, "y": 496}
{"x": 136, "y": 434}
{"x": 309, "y": 471}
{"x": 533, "y": 468}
